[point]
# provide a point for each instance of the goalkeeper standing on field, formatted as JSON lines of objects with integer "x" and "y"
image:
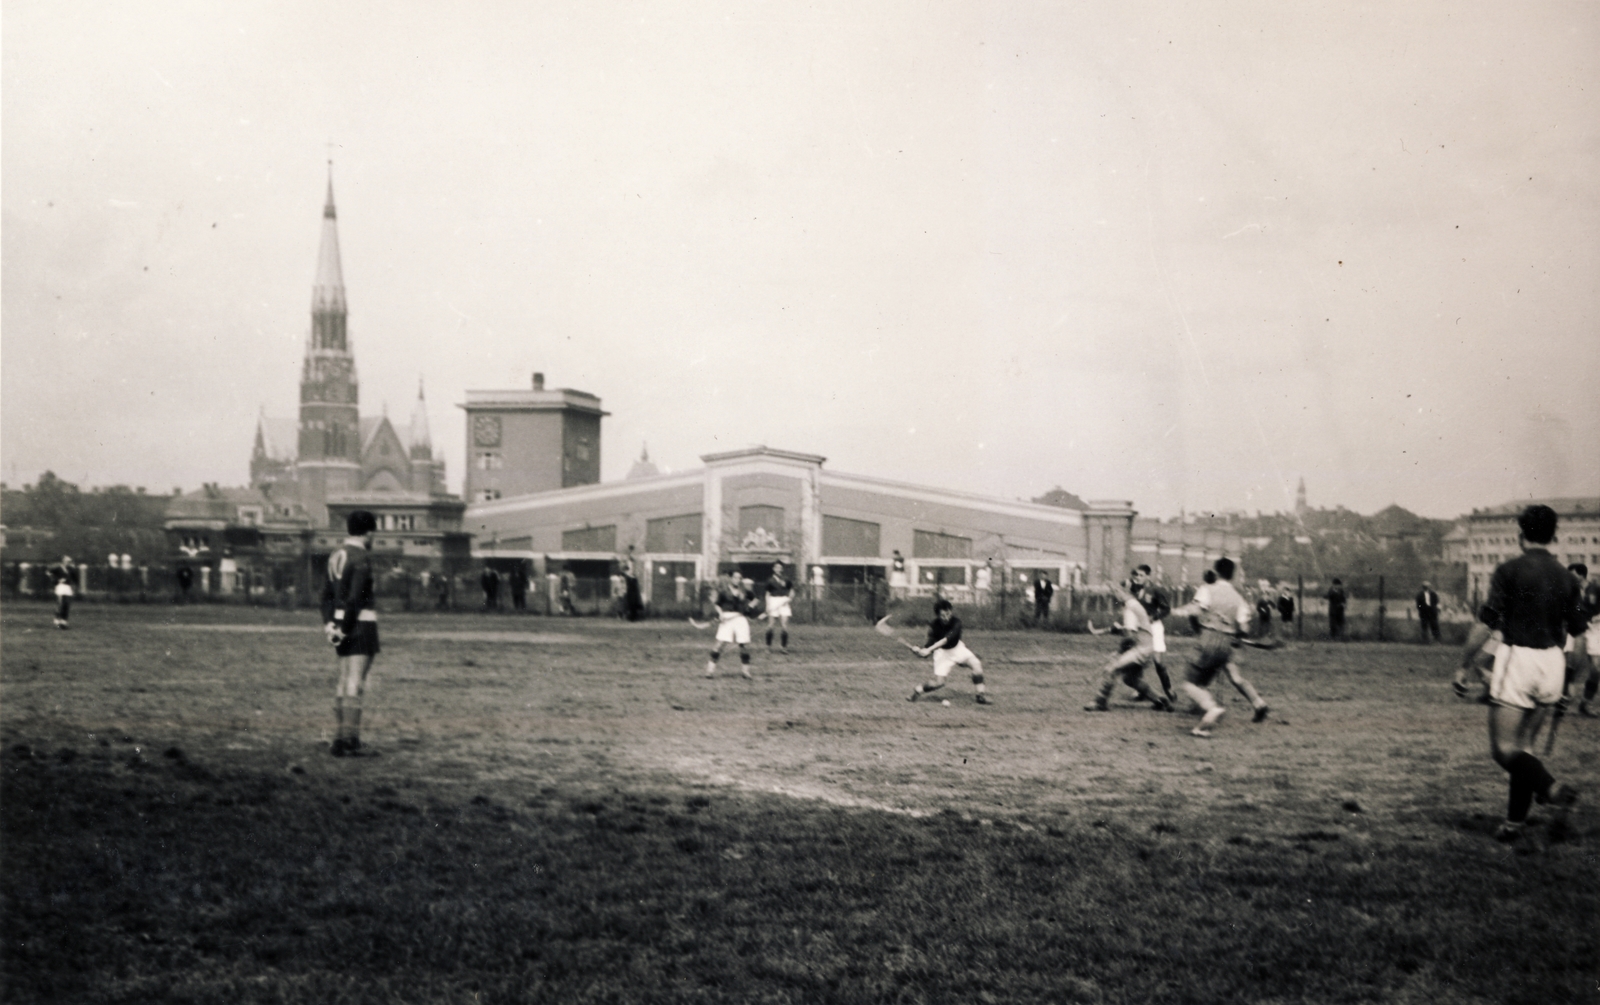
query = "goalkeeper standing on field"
{"x": 350, "y": 620}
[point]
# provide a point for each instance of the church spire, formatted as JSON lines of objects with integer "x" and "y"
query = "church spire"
{"x": 421, "y": 442}
{"x": 328, "y": 308}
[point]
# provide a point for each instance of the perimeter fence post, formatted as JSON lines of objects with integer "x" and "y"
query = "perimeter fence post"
{"x": 1300, "y": 609}
{"x": 1380, "y": 609}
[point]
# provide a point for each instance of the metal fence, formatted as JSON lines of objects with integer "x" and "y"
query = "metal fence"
{"x": 1069, "y": 610}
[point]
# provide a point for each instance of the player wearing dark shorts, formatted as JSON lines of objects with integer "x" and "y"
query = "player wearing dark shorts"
{"x": 350, "y": 619}
{"x": 1534, "y": 602}
{"x": 1224, "y": 617}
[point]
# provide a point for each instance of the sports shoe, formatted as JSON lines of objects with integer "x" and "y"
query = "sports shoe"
{"x": 746, "y": 672}
{"x": 983, "y": 699}
{"x": 1562, "y": 795}
{"x": 1261, "y": 714}
{"x": 1508, "y": 832}
{"x": 1460, "y": 688}
{"x": 1163, "y": 705}
{"x": 1584, "y": 709}
{"x": 352, "y": 745}
{"x": 338, "y": 748}
{"x": 915, "y": 695}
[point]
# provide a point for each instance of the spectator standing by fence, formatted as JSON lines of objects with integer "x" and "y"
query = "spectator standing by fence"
{"x": 1336, "y": 603}
{"x": 1043, "y": 590}
{"x": 1428, "y": 613}
{"x": 490, "y": 580}
{"x": 1285, "y": 606}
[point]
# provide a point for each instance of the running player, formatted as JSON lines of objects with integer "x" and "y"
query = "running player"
{"x": 62, "y": 577}
{"x": 948, "y": 652}
{"x": 780, "y": 591}
{"x": 1155, "y": 604}
{"x": 733, "y": 603}
{"x": 350, "y": 619}
{"x": 1128, "y": 665}
{"x": 1591, "y": 640}
{"x": 1224, "y": 617}
{"x": 1534, "y": 602}
{"x": 1477, "y": 660}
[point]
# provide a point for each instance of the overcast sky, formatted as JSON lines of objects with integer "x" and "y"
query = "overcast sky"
{"x": 1180, "y": 255}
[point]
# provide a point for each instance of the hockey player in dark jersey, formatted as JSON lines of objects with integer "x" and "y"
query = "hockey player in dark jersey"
{"x": 350, "y": 620}
{"x": 61, "y": 579}
{"x": 780, "y": 592}
{"x": 948, "y": 652}
{"x": 735, "y": 603}
{"x": 1534, "y": 603}
{"x": 1157, "y": 607}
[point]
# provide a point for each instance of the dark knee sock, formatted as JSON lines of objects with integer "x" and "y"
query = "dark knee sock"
{"x": 1166, "y": 681}
{"x": 785, "y": 638}
{"x": 769, "y": 637}
{"x": 1528, "y": 778}
{"x": 1590, "y": 686}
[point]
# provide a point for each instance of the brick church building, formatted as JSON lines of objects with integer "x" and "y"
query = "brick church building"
{"x": 308, "y": 473}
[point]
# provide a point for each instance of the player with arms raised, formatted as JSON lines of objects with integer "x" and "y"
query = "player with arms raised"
{"x": 1128, "y": 665}
{"x": 733, "y": 603}
{"x": 350, "y": 620}
{"x": 948, "y": 652}
{"x": 1224, "y": 618}
{"x": 780, "y": 591}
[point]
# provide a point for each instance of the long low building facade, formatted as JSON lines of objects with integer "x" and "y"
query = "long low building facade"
{"x": 747, "y": 509}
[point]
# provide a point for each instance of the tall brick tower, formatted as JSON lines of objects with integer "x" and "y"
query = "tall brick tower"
{"x": 329, "y": 461}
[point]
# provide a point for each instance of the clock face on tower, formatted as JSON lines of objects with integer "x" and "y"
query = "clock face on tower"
{"x": 486, "y": 430}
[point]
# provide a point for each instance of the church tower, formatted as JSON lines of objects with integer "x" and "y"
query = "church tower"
{"x": 1300, "y": 506}
{"x": 329, "y": 456}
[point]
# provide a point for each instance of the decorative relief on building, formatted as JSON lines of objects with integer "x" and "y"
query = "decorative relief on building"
{"x": 761, "y": 539}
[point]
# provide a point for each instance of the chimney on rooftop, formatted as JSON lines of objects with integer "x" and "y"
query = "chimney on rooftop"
{"x": 538, "y": 382}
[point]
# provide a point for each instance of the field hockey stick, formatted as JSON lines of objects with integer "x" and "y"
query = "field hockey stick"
{"x": 884, "y": 628}
{"x": 1096, "y": 631}
{"x": 1269, "y": 644}
{"x": 1555, "y": 724}
{"x": 702, "y": 625}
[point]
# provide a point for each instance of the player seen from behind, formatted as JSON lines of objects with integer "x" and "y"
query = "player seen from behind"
{"x": 948, "y": 652}
{"x": 1224, "y": 617}
{"x": 350, "y": 620}
{"x": 1534, "y": 602}
{"x": 1128, "y": 665}
{"x": 734, "y": 604}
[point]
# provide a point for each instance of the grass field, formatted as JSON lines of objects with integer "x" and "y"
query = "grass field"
{"x": 567, "y": 811}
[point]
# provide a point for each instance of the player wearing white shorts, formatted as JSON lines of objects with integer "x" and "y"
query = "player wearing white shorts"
{"x": 948, "y": 652}
{"x": 733, "y": 605}
{"x": 1534, "y": 602}
{"x": 1138, "y": 649}
{"x": 1156, "y": 605}
{"x": 62, "y": 577}
{"x": 1586, "y": 664}
{"x": 780, "y": 591}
